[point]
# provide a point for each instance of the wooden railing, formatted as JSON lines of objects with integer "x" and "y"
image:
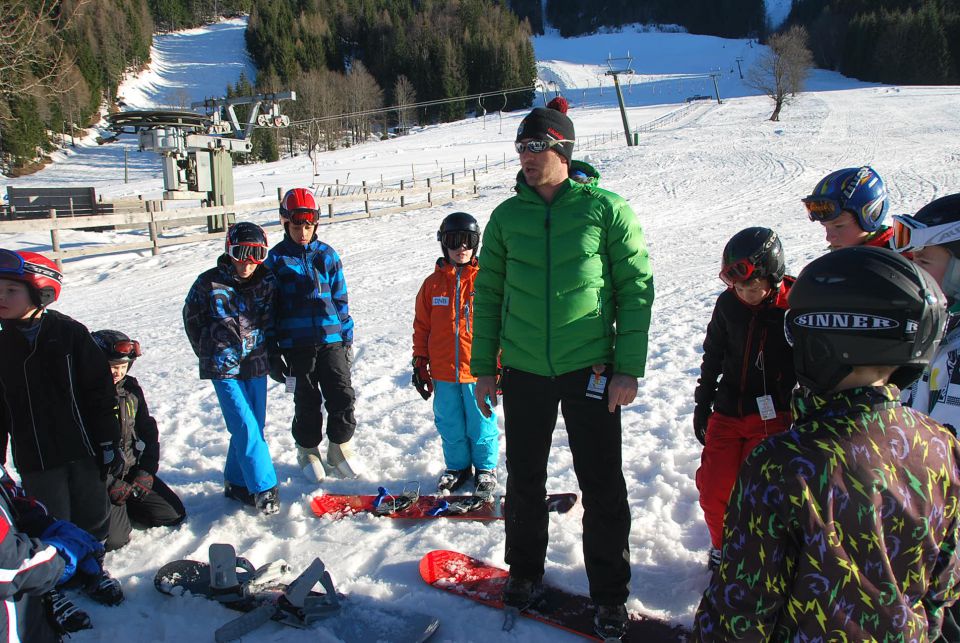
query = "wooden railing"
{"x": 155, "y": 219}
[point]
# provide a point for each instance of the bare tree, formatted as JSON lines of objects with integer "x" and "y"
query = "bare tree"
{"x": 782, "y": 70}
{"x": 404, "y": 94}
{"x": 362, "y": 94}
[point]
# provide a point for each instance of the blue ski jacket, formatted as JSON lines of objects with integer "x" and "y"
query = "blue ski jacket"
{"x": 228, "y": 321}
{"x": 311, "y": 306}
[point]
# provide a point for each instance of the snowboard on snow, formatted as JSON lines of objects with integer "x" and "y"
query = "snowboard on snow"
{"x": 409, "y": 504}
{"x": 262, "y": 597}
{"x": 474, "y": 579}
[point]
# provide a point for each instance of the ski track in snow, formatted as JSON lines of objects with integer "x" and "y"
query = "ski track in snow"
{"x": 693, "y": 184}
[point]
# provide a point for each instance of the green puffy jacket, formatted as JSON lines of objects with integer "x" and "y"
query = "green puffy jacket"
{"x": 562, "y": 286}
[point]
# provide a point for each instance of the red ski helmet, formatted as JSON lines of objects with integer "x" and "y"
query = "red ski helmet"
{"x": 36, "y": 271}
{"x": 299, "y": 206}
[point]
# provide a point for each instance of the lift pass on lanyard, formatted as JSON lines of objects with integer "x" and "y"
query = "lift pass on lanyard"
{"x": 765, "y": 404}
{"x": 291, "y": 383}
{"x": 595, "y": 386}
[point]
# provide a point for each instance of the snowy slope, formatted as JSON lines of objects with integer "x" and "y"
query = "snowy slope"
{"x": 692, "y": 184}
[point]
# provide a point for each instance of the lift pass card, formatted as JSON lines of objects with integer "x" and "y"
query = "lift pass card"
{"x": 765, "y": 404}
{"x": 596, "y": 385}
{"x": 291, "y": 383}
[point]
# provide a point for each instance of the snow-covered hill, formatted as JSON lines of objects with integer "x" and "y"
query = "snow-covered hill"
{"x": 693, "y": 184}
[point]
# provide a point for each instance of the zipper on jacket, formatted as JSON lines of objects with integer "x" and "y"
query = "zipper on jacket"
{"x": 456, "y": 327}
{"x": 308, "y": 265}
{"x": 548, "y": 298}
{"x": 746, "y": 365}
{"x": 76, "y": 409}
{"x": 26, "y": 382}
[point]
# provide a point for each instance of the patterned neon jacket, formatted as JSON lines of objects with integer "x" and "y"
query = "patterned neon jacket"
{"x": 443, "y": 324}
{"x": 937, "y": 392}
{"x": 227, "y": 321}
{"x": 311, "y": 307}
{"x": 562, "y": 286}
{"x": 843, "y": 528}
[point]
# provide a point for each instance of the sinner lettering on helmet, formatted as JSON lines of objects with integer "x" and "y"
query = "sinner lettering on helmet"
{"x": 845, "y": 321}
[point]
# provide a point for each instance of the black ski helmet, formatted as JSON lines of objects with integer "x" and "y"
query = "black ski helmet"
{"x": 463, "y": 223}
{"x": 117, "y": 346}
{"x": 863, "y": 306}
{"x": 944, "y": 212}
{"x": 753, "y": 252}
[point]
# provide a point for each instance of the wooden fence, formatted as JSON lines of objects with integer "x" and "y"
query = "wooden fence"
{"x": 155, "y": 219}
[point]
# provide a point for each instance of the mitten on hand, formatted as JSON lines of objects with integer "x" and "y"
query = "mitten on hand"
{"x": 701, "y": 414}
{"x": 421, "y": 377}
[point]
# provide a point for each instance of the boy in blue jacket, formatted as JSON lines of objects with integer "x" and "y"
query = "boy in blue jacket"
{"x": 227, "y": 316}
{"x": 314, "y": 335}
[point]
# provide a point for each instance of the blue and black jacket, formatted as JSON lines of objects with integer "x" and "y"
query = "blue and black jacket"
{"x": 311, "y": 305}
{"x": 228, "y": 320}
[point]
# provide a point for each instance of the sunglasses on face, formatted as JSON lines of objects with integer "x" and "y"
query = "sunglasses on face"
{"x": 910, "y": 234}
{"x": 248, "y": 252}
{"x": 537, "y": 146}
{"x": 460, "y": 238}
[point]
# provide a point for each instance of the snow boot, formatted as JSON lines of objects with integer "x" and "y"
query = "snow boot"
{"x": 238, "y": 492}
{"x": 610, "y": 622}
{"x": 342, "y": 461}
{"x": 486, "y": 484}
{"x": 520, "y": 592}
{"x": 311, "y": 463}
{"x": 104, "y": 589}
{"x": 452, "y": 479}
{"x": 268, "y": 502}
{"x": 68, "y": 617}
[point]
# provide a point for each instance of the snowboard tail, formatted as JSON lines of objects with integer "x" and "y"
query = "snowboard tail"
{"x": 471, "y": 578}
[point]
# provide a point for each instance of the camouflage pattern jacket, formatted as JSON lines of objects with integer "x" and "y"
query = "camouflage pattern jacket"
{"x": 843, "y": 528}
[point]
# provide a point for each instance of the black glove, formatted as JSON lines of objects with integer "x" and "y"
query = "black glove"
{"x": 700, "y": 416}
{"x": 142, "y": 483}
{"x": 111, "y": 460}
{"x": 421, "y": 377}
{"x": 278, "y": 370}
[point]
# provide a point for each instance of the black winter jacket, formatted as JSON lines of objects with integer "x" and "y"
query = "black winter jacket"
{"x": 139, "y": 437}
{"x": 746, "y": 349}
{"x": 57, "y": 397}
{"x": 228, "y": 320}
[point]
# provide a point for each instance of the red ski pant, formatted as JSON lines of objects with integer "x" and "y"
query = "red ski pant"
{"x": 729, "y": 441}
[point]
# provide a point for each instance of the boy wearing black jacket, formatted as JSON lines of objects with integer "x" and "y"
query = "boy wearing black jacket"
{"x": 56, "y": 397}
{"x": 745, "y": 348}
{"x": 136, "y": 495}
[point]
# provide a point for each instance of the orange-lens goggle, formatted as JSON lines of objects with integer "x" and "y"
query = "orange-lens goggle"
{"x": 248, "y": 252}
{"x": 737, "y": 271}
{"x": 910, "y": 234}
{"x": 822, "y": 209}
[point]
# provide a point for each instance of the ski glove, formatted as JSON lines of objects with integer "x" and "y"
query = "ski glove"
{"x": 111, "y": 460}
{"x": 79, "y": 549}
{"x": 700, "y": 416}
{"x": 119, "y": 491}
{"x": 421, "y": 377}
{"x": 142, "y": 483}
{"x": 278, "y": 370}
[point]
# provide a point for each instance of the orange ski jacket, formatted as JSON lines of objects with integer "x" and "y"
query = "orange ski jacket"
{"x": 443, "y": 325}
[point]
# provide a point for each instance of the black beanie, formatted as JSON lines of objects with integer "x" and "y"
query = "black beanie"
{"x": 548, "y": 124}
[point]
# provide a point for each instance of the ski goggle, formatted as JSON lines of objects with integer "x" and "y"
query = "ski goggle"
{"x": 910, "y": 234}
{"x": 822, "y": 209}
{"x": 248, "y": 252}
{"x": 737, "y": 271}
{"x": 126, "y": 348}
{"x": 456, "y": 239}
{"x": 304, "y": 217}
{"x": 11, "y": 262}
{"x": 536, "y": 146}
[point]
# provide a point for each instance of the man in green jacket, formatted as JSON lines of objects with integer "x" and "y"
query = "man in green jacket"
{"x": 564, "y": 291}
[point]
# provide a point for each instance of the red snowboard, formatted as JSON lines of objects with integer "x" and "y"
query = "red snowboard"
{"x": 474, "y": 579}
{"x": 426, "y": 507}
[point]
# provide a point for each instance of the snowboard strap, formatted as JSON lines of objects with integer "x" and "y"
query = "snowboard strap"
{"x": 458, "y": 507}
{"x": 297, "y": 601}
{"x": 224, "y": 583}
{"x": 266, "y": 575}
{"x": 245, "y": 623}
{"x": 385, "y": 504}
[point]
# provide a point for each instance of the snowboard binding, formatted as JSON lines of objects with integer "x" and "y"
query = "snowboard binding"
{"x": 386, "y": 504}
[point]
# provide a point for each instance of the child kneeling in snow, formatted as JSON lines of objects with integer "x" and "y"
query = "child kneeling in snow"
{"x": 227, "y": 316}
{"x": 136, "y": 494}
{"x": 442, "y": 335}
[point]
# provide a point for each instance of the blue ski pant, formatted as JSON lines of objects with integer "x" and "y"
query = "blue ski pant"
{"x": 244, "y": 407}
{"x": 467, "y": 437}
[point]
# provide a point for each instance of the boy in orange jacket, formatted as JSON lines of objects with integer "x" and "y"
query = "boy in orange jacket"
{"x": 442, "y": 335}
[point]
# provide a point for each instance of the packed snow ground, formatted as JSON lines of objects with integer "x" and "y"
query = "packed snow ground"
{"x": 693, "y": 184}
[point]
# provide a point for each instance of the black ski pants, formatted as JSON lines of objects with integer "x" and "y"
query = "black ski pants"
{"x": 530, "y": 414}
{"x": 73, "y": 491}
{"x": 161, "y": 507}
{"x": 323, "y": 380}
